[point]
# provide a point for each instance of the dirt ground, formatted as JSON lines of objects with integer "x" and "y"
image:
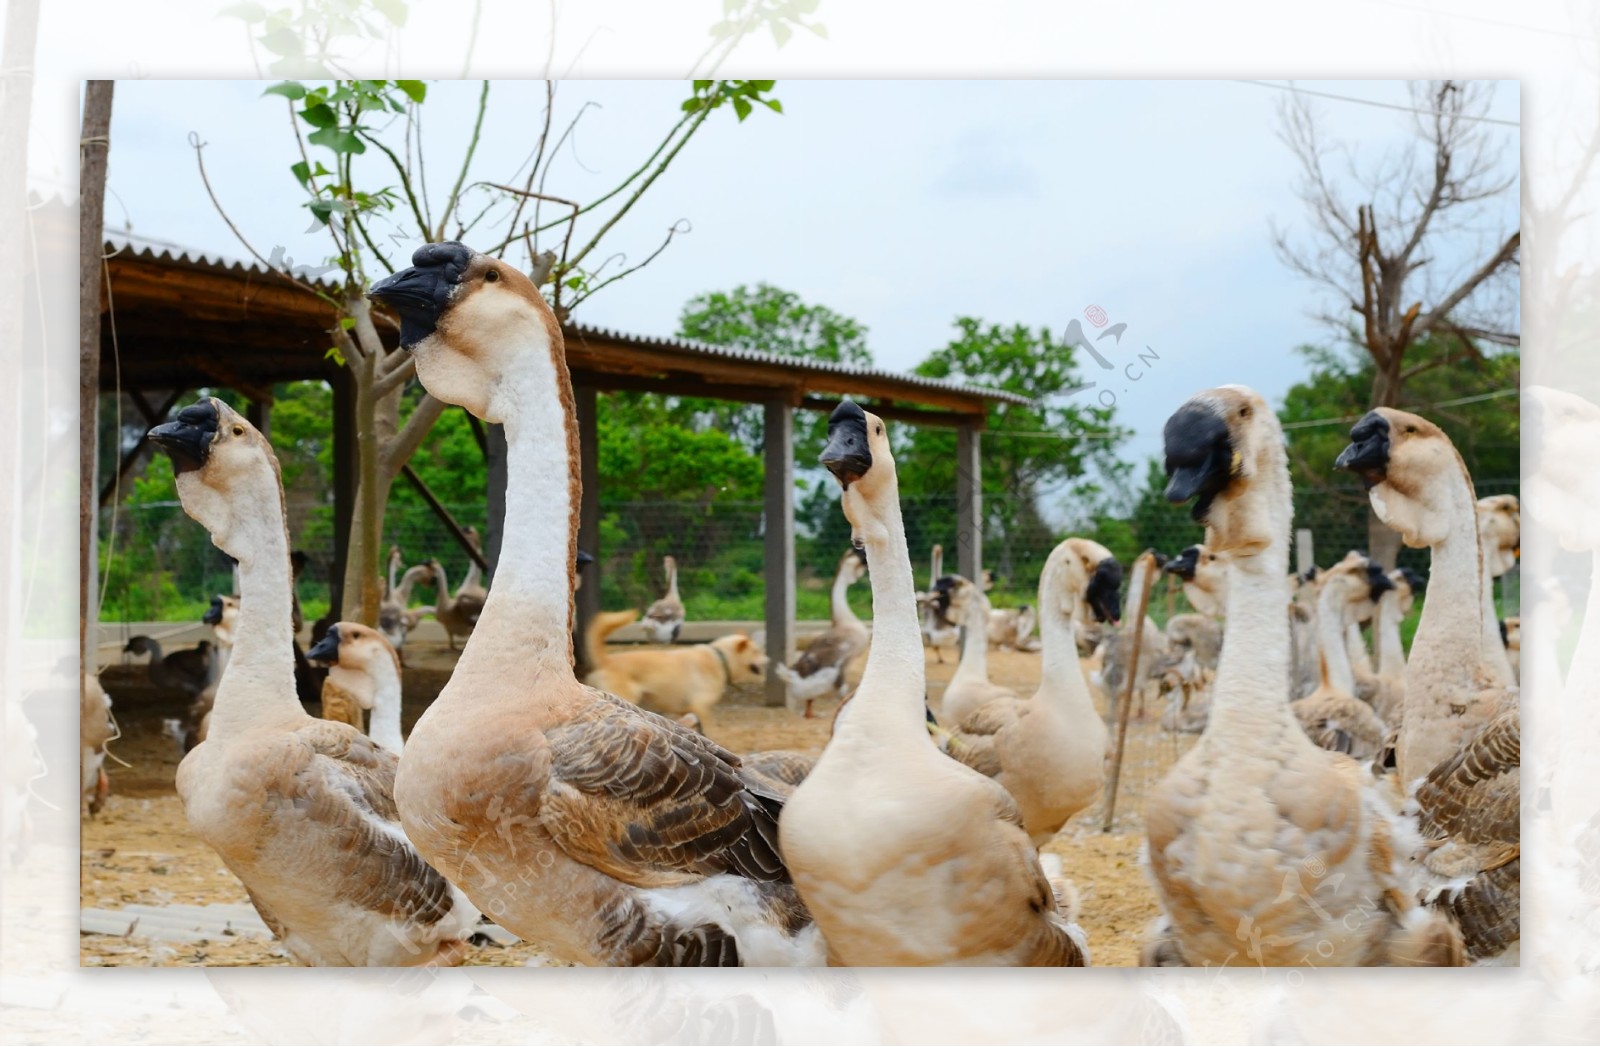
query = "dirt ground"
{"x": 139, "y": 849}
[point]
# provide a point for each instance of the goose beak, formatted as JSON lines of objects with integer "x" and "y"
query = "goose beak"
{"x": 1105, "y": 591}
{"x": 1183, "y": 565}
{"x": 1378, "y": 581}
{"x": 419, "y": 294}
{"x": 1368, "y": 453}
{"x": 1199, "y": 457}
{"x": 326, "y": 650}
{"x": 213, "y": 615}
{"x": 847, "y": 456}
{"x": 187, "y": 438}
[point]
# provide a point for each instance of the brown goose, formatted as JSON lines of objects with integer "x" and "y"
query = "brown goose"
{"x": 606, "y": 833}
{"x": 300, "y": 809}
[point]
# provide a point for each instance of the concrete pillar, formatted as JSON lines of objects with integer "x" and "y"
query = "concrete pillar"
{"x": 778, "y": 450}
{"x": 969, "y": 503}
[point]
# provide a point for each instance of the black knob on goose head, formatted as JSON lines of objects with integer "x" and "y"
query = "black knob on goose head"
{"x": 326, "y": 649}
{"x": 423, "y": 291}
{"x": 1184, "y": 564}
{"x": 848, "y": 455}
{"x": 187, "y": 438}
{"x": 1199, "y": 456}
{"x": 1368, "y": 453}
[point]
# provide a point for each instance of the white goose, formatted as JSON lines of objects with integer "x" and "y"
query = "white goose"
{"x": 1049, "y": 751}
{"x": 665, "y": 618}
{"x": 1264, "y": 848}
{"x": 904, "y": 856}
{"x": 821, "y": 666}
{"x": 938, "y": 632}
{"x": 605, "y": 833}
{"x": 300, "y": 809}
{"x": 969, "y": 688}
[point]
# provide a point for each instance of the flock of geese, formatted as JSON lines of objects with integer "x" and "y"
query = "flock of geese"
{"x": 613, "y": 836}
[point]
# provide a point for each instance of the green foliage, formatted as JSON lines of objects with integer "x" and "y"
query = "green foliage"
{"x": 743, "y": 95}
{"x": 304, "y": 39}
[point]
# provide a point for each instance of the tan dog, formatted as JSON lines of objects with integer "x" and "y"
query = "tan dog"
{"x": 675, "y": 681}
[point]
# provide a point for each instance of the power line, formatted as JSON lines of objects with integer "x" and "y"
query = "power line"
{"x": 1292, "y": 89}
{"x": 1479, "y": 398}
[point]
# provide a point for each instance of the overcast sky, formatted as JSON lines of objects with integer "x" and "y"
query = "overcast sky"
{"x": 902, "y": 204}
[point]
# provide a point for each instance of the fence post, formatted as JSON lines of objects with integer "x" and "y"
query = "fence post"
{"x": 1304, "y": 553}
{"x": 778, "y": 450}
{"x": 588, "y": 596}
{"x": 969, "y": 503}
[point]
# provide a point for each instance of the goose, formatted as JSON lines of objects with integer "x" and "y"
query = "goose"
{"x": 1013, "y": 627}
{"x": 1049, "y": 751}
{"x": 1453, "y": 725}
{"x": 607, "y": 834}
{"x": 472, "y": 584}
{"x": 1118, "y": 650}
{"x": 1264, "y": 848}
{"x": 938, "y": 632}
{"x": 300, "y": 809}
{"x": 396, "y": 618}
{"x": 665, "y": 617}
{"x": 96, "y": 729}
{"x": 363, "y": 676}
{"x": 459, "y": 613}
{"x": 1204, "y": 580}
{"x": 1393, "y": 606}
{"x": 1511, "y": 634}
{"x": 904, "y": 856}
{"x": 1500, "y": 529}
{"x": 184, "y": 671}
{"x": 1332, "y": 716}
{"x": 969, "y": 688}
{"x": 222, "y": 616}
{"x": 820, "y": 667}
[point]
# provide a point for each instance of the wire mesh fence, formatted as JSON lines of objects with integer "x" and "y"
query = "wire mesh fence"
{"x": 158, "y": 565}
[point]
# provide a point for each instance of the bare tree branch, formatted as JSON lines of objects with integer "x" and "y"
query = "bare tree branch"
{"x": 410, "y": 437}
{"x": 1502, "y": 257}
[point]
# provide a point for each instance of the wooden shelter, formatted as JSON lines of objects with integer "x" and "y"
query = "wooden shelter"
{"x": 177, "y": 320}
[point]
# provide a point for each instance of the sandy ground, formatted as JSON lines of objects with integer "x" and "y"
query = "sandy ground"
{"x": 139, "y": 849}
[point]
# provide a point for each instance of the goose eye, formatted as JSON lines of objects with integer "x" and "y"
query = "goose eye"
{"x": 878, "y": 430}
{"x": 491, "y": 276}
{"x": 238, "y": 430}
{"x": 1411, "y": 428}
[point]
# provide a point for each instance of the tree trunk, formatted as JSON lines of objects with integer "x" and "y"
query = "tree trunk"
{"x": 95, "y": 145}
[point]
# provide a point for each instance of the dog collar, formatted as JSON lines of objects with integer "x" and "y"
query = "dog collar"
{"x": 727, "y": 670}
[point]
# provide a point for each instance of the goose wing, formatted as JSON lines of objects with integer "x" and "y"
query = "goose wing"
{"x": 782, "y": 765}
{"x": 653, "y": 803}
{"x": 666, "y": 611}
{"x": 343, "y": 788}
{"x": 829, "y": 650}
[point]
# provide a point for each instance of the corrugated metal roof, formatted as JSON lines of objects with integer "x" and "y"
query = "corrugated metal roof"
{"x": 160, "y": 250}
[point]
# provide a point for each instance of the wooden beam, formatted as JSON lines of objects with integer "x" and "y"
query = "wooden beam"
{"x": 450, "y": 523}
{"x": 778, "y": 451}
{"x": 588, "y": 595}
{"x": 477, "y": 433}
{"x": 969, "y": 503}
{"x": 685, "y": 384}
{"x": 944, "y": 419}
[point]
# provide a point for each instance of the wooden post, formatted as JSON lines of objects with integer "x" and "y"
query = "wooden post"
{"x": 495, "y": 496}
{"x": 778, "y": 448}
{"x": 1304, "y": 551}
{"x": 1144, "y": 574}
{"x": 93, "y": 148}
{"x": 452, "y": 525}
{"x": 344, "y": 481}
{"x": 588, "y": 595}
{"x": 258, "y": 412}
{"x": 969, "y": 504}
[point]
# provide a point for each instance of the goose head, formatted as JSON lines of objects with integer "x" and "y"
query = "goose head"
{"x": 858, "y": 456}
{"x": 473, "y": 322}
{"x": 1412, "y": 473}
{"x": 1500, "y": 524}
{"x": 961, "y": 600}
{"x": 1224, "y": 451}
{"x": 853, "y": 565}
{"x": 227, "y": 475}
{"x": 1083, "y": 572}
{"x": 1352, "y": 586}
{"x": 1407, "y": 584}
{"x": 353, "y": 646}
{"x": 1204, "y": 577}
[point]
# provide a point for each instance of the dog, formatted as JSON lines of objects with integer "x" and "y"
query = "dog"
{"x": 676, "y": 681}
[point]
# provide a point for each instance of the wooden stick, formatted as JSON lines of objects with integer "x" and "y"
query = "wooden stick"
{"x": 1144, "y": 565}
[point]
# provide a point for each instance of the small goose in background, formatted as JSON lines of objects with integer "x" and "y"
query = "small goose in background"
{"x": 458, "y": 613}
{"x": 96, "y": 729}
{"x": 938, "y": 632}
{"x": 184, "y": 671}
{"x": 300, "y": 809}
{"x": 665, "y": 617}
{"x": 363, "y": 676}
{"x": 970, "y": 687}
{"x": 821, "y": 666}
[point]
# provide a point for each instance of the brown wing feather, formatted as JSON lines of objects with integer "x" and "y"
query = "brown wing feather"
{"x": 1341, "y": 724}
{"x": 651, "y": 802}
{"x": 346, "y": 787}
{"x": 826, "y": 651}
{"x": 782, "y": 765}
